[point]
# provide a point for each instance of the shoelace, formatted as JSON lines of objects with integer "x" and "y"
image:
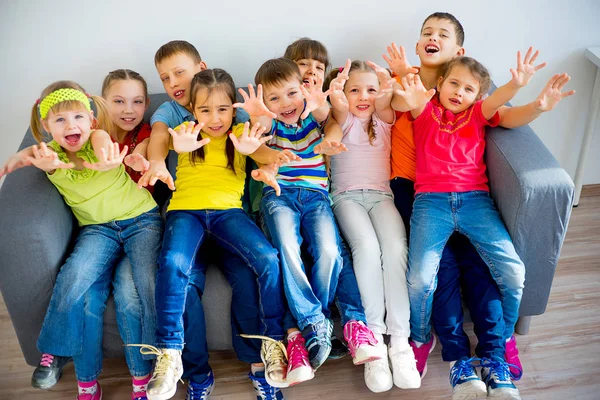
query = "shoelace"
{"x": 297, "y": 354}
{"x": 501, "y": 370}
{"x": 462, "y": 368}
{"x": 47, "y": 360}
{"x": 360, "y": 334}
{"x": 274, "y": 349}
{"x": 163, "y": 360}
{"x": 265, "y": 391}
{"x": 320, "y": 340}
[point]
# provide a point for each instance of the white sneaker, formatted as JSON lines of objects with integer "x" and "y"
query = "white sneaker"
{"x": 167, "y": 371}
{"x": 378, "y": 376}
{"x": 404, "y": 367}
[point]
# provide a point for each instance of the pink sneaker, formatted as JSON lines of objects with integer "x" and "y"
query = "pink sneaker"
{"x": 361, "y": 342}
{"x": 93, "y": 392}
{"x": 511, "y": 356}
{"x": 421, "y": 354}
{"x": 299, "y": 369}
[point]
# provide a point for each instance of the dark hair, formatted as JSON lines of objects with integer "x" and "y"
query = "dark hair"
{"x": 306, "y": 48}
{"x": 123, "y": 75}
{"x": 475, "y": 67}
{"x": 177, "y": 47}
{"x": 275, "y": 71}
{"x": 458, "y": 28}
{"x": 360, "y": 66}
{"x": 213, "y": 79}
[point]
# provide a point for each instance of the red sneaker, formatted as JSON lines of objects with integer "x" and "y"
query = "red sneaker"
{"x": 511, "y": 356}
{"x": 361, "y": 342}
{"x": 421, "y": 354}
{"x": 299, "y": 369}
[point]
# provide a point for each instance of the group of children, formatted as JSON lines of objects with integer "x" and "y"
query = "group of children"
{"x": 394, "y": 157}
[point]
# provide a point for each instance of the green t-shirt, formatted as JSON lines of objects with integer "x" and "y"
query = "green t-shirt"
{"x": 98, "y": 197}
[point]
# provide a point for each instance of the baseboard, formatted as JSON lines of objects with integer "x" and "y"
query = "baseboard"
{"x": 590, "y": 190}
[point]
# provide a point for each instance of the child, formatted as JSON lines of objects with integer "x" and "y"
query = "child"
{"x": 114, "y": 216}
{"x": 312, "y": 59}
{"x": 364, "y": 208}
{"x": 452, "y": 192}
{"x": 302, "y": 212}
{"x": 210, "y": 176}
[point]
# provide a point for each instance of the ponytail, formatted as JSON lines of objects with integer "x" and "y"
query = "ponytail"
{"x": 36, "y": 124}
{"x": 102, "y": 118}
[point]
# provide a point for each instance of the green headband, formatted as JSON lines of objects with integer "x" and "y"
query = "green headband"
{"x": 60, "y": 95}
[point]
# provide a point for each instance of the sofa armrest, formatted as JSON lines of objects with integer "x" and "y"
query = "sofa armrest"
{"x": 535, "y": 197}
{"x": 36, "y": 227}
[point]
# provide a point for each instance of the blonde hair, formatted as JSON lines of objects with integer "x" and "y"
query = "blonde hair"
{"x": 101, "y": 118}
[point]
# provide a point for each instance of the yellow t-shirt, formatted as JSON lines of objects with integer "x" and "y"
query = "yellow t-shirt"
{"x": 210, "y": 184}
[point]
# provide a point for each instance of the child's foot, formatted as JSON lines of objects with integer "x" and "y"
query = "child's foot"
{"x": 139, "y": 388}
{"x": 89, "y": 391}
{"x": 511, "y": 356}
{"x": 497, "y": 377}
{"x": 466, "y": 385}
{"x": 421, "y": 353}
{"x": 404, "y": 368}
{"x": 299, "y": 369}
{"x": 263, "y": 390}
{"x": 361, "y": 342}
{"x": 167, "y": 371}
{"x": 274, "y": 356}
{"x": 378, "y": 376}
{"x": 318, "y": 342}
{"x": 48, "y": 371}
{"x": 338, "y": 348}
{"x": 202, "y": 390}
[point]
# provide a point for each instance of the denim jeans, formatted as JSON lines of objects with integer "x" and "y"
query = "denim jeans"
{"x": 462, "y": 265}
{"x": 232, "y": 230}
{"x": 375, "y": 232}
{"x": 136, "y": 311}
{"x": 347, "y": 293}
{"x": 435, "y": 217}
{"x": 302, "y": 214}
{"x": 74, "y": 319}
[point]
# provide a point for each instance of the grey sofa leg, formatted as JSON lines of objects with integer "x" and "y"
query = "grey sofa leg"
{"x": 522, "y": 326}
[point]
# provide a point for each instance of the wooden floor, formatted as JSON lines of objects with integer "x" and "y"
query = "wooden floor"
{"x": 561, "y": 354}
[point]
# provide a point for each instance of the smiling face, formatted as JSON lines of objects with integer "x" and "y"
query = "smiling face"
{"x": 285, "y": 100}
{"x": 459, "y": 90}
{"x": 312, "y": 71}
{"x": 176, "y": 73}
{"x": 438, "y": 43}
{"x": 361, "y": 91}
{"x": 127, "y": 102}
{"x": 70, "y": 128}
{"x": 215, "y": 109}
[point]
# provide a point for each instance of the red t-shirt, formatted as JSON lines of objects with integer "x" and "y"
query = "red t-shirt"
{"x": 450, "y": 149}
{"x": 137, "y": 135}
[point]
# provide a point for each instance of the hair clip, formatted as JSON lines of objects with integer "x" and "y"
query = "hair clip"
{"x": 341, "y": 69}
{"x": 37, "y": 101}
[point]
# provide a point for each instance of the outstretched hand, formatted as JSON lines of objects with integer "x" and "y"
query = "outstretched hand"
{"x": 386, "y": 82}
{"x": 157, "y": 171}
{"x": 330, "y": 148}
{"x": 251, "y": 139}
{"x": 414, "y": 93}
{"x": 526, "y": 68}
{"x": 267, "y": 175}
{"x": 46, "y": 159}
{"x": 396, "y": 59}
{"x": 185, "y": 139}
{"x": 552, "y": 93}
{"x": 108, "y": 158}
{"x": 137, "y": 162}
{"x": 15, "y": 162}
{"x": 254, "y": 103}
{"x": 315, "y": 99}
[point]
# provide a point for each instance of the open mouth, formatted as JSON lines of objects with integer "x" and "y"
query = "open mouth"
{"x": 128, "y": 120}
{"x": 431, "y": 49}
{"x": 288, "y": 114}
{"x": 178, "y": 94}
{"x": 72, "y": 140}
{"x": 363, "y": 107}
{"x": 456, "y": 102}
{"x": 215, "y": 128}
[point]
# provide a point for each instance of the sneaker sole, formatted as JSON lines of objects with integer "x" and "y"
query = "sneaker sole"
{"x": 48, "y": 386}
{"x": 278, "y": 385}
{"x": 303, "y": 374}
{"x": 164, "y": 396}
{"x": 478, "y": 391}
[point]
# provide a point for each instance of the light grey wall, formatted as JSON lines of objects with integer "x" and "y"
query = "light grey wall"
{"x": 43, "y": 41}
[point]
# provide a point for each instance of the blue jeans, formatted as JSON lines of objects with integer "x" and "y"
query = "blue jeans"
{"x": 233, "y": 231}
{"x": 245, "y": 312}
{"x": 435, "y": 217}
{"x": 347, "y": 294}
{"x": 303, "y": 214}
{"x": 136, "y": 311}
{"x": 462, "y": 265}
{"x": 74, "y": 319}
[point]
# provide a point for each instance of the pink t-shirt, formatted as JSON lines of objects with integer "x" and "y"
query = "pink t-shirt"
{"x": 364, "y": 165}
{"x": 450, "y": 149}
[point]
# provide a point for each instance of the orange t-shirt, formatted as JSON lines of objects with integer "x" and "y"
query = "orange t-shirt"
{"x": 404, "y": 155}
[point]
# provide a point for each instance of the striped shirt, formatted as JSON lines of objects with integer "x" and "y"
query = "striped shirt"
{"x": 301, "y": 139}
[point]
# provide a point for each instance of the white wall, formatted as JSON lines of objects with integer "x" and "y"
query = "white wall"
{"x": 43, "y": 41}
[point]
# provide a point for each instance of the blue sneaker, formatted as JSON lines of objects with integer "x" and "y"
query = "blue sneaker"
{"x": 465, "y": 381}
{"x": 201, "y": 391}
{"x": 497, "y": 377}
{"x": 263, "y": 390}
{"x": 318, "y": 342}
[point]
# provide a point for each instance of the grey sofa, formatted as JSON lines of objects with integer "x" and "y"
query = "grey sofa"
{"x": 533, "y": 193}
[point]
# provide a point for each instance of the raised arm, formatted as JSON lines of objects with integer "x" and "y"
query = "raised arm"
{"x": 106, "y": 152}
{"x": 316, "y": 102}
{"x": 338, "y": 100}
{"x": 254, "y": 105}
{"x": 414, "y": 95}
{"x": 396, "y": 59}
{"x": 158, "y": 149}
{"x": 551, "y": 95}
{"x": 383, "y": 106}
{"x": 17, "y": 160}
{"x": 520, "y": 77}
